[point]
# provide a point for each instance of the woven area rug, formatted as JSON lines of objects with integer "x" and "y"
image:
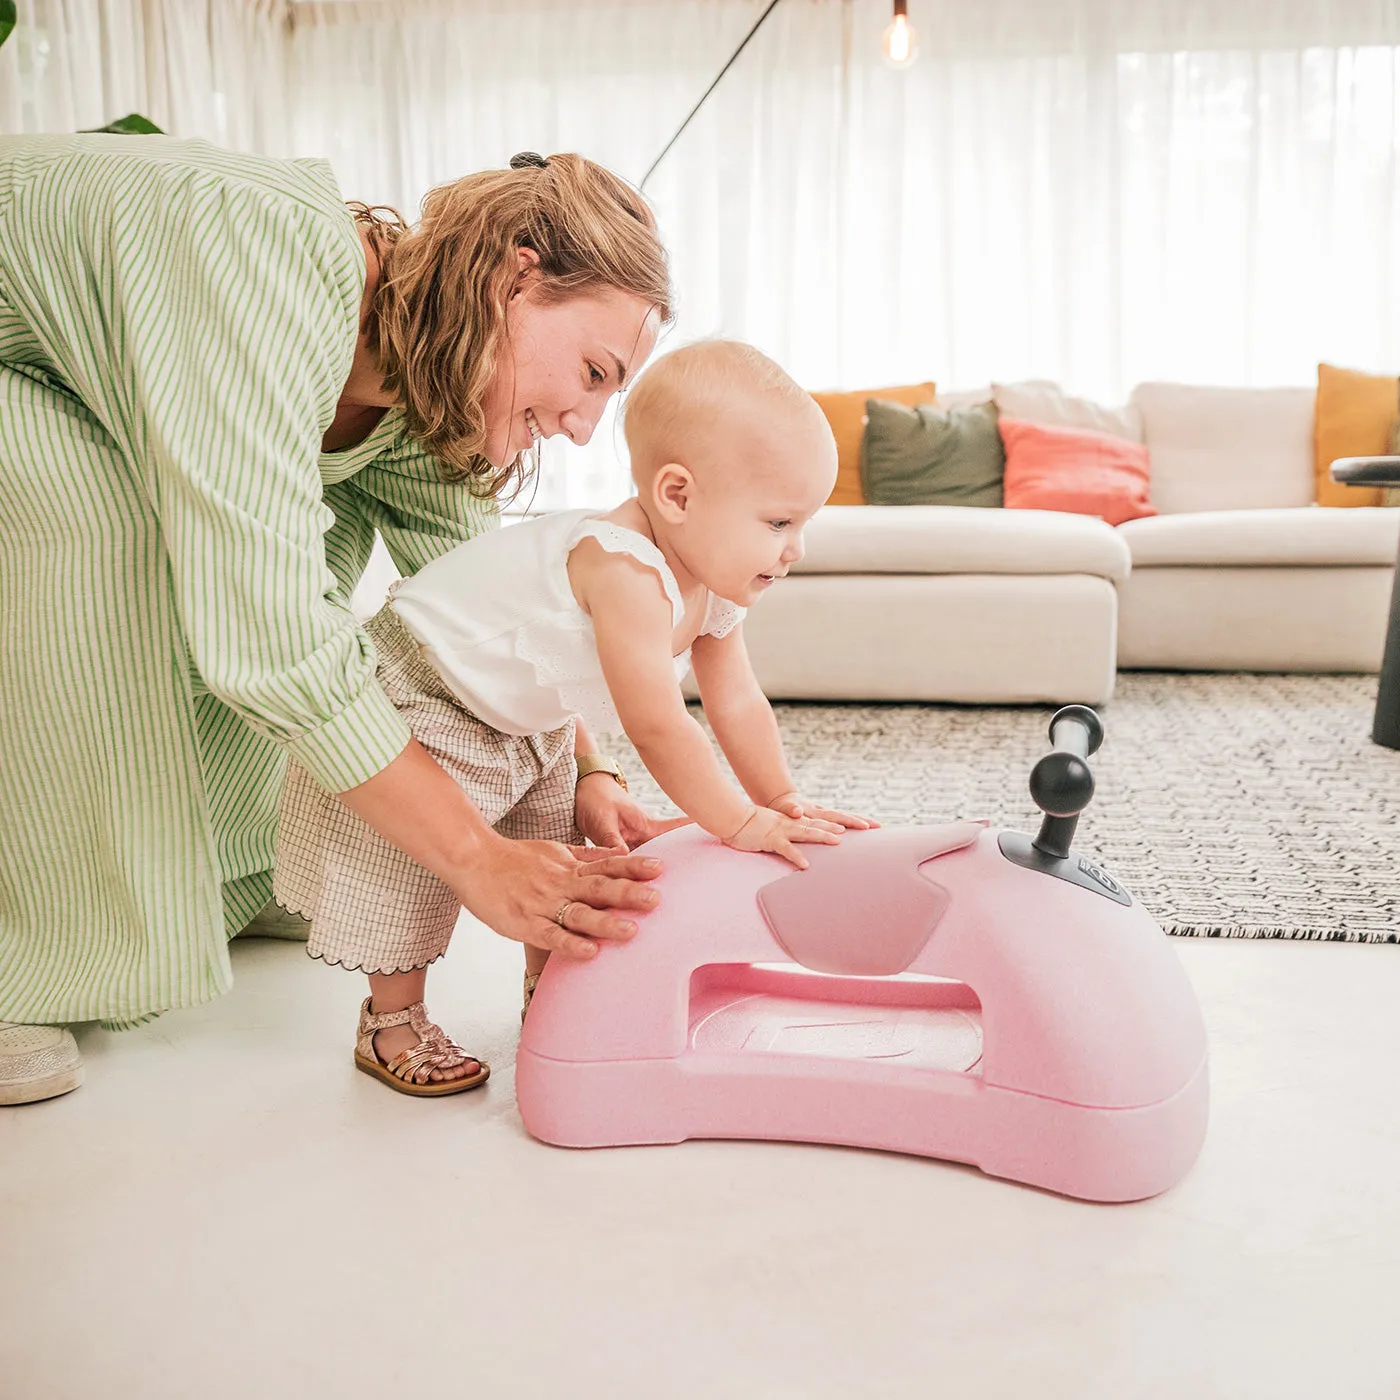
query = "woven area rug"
{"x": 1231, "y": 805}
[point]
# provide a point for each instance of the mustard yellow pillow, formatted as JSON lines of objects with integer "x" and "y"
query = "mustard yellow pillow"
{"x": 846, "y": 414}
{"x": 1354, "y": 417}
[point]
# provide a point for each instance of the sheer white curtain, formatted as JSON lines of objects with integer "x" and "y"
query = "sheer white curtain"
{"x": 1094, "y": 191}
{"x": 211, "y": 68}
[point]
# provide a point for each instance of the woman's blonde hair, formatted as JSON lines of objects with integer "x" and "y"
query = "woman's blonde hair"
{"x": 438, "y": 318}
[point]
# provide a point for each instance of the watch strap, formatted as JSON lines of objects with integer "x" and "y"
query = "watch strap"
{"x": 601, "y": 763}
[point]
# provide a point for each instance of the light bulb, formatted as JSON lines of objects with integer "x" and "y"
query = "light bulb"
{"x": 900, "y": 44}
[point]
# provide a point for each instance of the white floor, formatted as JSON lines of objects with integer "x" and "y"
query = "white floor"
{"x": 226, "y": 1209}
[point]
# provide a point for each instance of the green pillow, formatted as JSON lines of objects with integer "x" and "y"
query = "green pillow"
{"x": 927, "y": 457}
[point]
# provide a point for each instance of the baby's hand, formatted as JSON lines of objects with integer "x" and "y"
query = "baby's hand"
{"x": 791, "y": 805}
{"x": 769, "y": 830}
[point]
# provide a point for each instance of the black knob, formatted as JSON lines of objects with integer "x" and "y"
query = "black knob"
{"x": 1062, "y": 784}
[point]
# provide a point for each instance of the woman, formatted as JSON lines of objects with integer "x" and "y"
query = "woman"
{"x": 216, "y": 383}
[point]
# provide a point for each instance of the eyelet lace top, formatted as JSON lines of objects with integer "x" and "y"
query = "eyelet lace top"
{"x": 499, "y": 622}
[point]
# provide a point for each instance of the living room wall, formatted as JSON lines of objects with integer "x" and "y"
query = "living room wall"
{"x": 1092, "y": 192}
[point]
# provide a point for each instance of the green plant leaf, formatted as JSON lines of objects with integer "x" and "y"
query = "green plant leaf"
{"x": 129, "y": 125}
{"x": 7, "y": 18}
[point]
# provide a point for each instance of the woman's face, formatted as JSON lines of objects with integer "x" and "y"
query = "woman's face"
{"x": 561, "y": 363}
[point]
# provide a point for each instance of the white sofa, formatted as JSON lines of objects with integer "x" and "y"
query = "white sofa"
{"x": 944, "y": 603}
{"x": 1238, "y": 571}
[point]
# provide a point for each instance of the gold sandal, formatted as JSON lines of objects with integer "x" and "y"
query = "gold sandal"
{"x": 408, "y": 1071}
{"x": 532, "y": 980}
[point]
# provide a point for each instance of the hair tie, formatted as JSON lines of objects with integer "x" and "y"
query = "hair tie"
{"x": 528, "y": 159}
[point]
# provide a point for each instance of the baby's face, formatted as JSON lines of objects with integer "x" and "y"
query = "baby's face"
{"x": 743, "y": 529}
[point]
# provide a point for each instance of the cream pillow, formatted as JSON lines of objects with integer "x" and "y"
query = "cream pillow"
{"x": 1218, "y": 448}
{"x": 1041, "y": 401}
{"x": 963, "y": 398}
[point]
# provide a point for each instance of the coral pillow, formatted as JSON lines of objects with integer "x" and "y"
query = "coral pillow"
{"x": 1074, "y": 469}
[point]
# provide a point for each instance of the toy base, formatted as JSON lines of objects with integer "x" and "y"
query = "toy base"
{"x": 891, "y": 1064}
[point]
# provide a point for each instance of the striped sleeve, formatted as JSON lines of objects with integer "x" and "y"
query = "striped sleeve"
{"x": 402, "y": 495}
{"x": 209, "y": 322}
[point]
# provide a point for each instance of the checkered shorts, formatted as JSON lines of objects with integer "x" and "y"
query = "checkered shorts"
{"x": 372, "y": 909}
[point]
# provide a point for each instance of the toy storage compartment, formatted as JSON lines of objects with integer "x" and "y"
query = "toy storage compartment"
{"x": 919, "y": 1022}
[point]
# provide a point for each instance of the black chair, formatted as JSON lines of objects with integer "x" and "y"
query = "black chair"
{"x": 1381, "y": 471}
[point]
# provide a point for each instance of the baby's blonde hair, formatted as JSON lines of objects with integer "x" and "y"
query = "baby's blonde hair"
{"x": 686, "y": 396}
{"x": 438, "y": 319}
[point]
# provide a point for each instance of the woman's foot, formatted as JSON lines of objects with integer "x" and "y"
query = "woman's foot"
{"x": 37, "y": 1062}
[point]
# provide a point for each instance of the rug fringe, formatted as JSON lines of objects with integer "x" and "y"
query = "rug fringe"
{"x": 1315, "y": 935}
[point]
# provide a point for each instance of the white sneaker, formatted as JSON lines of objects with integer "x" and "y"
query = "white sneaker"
{"x": 37, "y": 1062}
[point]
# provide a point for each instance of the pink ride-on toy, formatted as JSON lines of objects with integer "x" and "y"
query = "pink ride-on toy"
{"x": 950, "y": 991}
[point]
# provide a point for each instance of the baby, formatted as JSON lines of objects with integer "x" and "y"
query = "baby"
{"x": 492, "y": 650}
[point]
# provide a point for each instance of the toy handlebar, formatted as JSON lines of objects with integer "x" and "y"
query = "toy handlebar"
{"x": 1062, "y": 784}
{"x": 1077, "y": 730}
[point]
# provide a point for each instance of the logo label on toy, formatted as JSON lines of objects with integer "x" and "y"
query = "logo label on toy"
{"x": 1073, "y": 869}
{"x": 1099, "y": 877}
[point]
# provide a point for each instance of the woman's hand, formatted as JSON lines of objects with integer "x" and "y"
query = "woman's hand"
{"x": 791, "y": 805}
{"x": 519, "y": 888}
{"x": 611, "y": 818}
{"x": 769, "y": 830}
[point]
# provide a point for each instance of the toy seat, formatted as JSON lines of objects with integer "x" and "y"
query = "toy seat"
{"x": 949, "y": 991}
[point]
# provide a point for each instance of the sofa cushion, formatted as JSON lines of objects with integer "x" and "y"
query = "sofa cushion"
{"x": 845, "y": 414}
{"x": 1304, "y": 536}
{"x": 1227, "y": 449}
{"x": 954, "y": 540}
{"x": 1037, "y": 401}
{"x": 924, "y": 456}
{"x": 1074, "y": 469}
{"x": 1355, "y": 416}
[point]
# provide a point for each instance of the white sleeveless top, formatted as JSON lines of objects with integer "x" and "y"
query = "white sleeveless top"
{"x": 499, "y": 622}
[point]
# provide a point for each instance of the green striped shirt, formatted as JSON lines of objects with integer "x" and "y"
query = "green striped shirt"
{"x": 176, "y": 325}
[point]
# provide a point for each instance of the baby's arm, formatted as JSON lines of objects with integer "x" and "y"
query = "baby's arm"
{"x": 633, "y": 625}
{"x": 740, "y": 715}
{"x": 744, "y": 724}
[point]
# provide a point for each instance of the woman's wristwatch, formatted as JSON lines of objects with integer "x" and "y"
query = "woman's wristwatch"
{"x": 600, "y": 763}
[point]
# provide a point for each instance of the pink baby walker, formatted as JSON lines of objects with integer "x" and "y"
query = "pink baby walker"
{"x": 951, "y": 991}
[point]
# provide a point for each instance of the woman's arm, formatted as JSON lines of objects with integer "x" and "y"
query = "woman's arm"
{"x": 606, "y": 813}
{"x": 401, "y": 494}
{"x": 514, "y": 887}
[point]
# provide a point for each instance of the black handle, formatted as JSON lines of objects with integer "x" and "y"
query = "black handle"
{"x": 1062, "y": 784}
{"x": 1366, "y": 471}
{"x": 1076, "y": 729}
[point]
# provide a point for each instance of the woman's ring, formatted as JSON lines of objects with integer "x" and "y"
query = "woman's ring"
{"x": 564, "y": 912}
